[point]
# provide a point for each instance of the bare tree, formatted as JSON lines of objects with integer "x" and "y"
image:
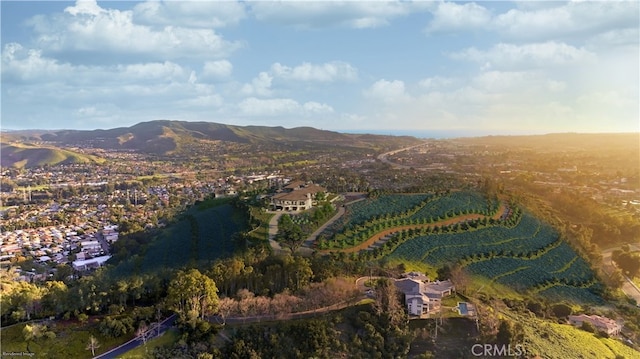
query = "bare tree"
{"x": 143, "y": 332}
{"x": 92, "y": 345}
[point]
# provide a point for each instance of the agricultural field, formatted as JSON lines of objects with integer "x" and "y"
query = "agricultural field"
{"x": 388, "y": 204}
{"x": 365, "y": 218}
{"x": 527, "y": 257}
{"x": 441, "y": 248}
{"x": 519, "y": 252}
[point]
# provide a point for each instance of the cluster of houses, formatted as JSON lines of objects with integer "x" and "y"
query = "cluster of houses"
{"x": 78, "y": 245}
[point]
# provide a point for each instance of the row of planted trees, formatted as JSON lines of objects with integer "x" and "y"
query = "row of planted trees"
{"x": 398, "y": 238}
{"x": 358, "y": 233}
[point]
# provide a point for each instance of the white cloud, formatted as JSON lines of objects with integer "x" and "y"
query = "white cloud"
{"x": 217, "y": 69}
{"x": 387, "y": 91}
{"x": 450, "y": 16}
{"x": 89, "y": 7}
{"x": 586, "y": 18}
{"x": 165, "y": 71}
{"x": 202, "y": 14}
{"x": 437, "y": 82}
{"x": 319, "y": 14}
{"x": 327, "y": 72}
{"x": 87, "y": 27}
{"x": 206, "y": 101}
{"x": 501, "y": 81}
{"x": 280, "y": 106}
{"x": 527, "y": 56}
{"x": 316, "y": 107}
{"x": 260, "y": 86}
{"x": 22, "y": 64}
{"x": 617, "y": 37}
{"x": 30, "y": 66}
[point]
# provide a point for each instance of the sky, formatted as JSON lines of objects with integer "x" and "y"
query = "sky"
{"x": 484, "y": 67}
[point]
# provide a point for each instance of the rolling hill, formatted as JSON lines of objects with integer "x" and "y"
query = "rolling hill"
{"x": 22, "y": 155}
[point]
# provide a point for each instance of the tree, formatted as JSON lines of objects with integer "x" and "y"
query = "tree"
{"x": 289, "y": 232}
{"x": 561, "y": 310}
{"x": 92, "y": 345}
{"x": 192, "y": 295}
{"x": 588, "y": 327}
{"x": 143, "y": 332}
{"x": 628, "y": 262}
{"x": 36, "y": 331}
{"x": 505, "y": 333}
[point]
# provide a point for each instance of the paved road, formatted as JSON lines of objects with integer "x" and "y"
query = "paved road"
{"x": 135, "y": 342}
{"x": 307, "y": 245}
{"x": 628, "y": 287}
{"x": 384, "y": 157}
{"x": 273, "y": 230}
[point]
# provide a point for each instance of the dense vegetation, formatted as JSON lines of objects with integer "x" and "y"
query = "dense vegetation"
{"x": 207, "y": 231}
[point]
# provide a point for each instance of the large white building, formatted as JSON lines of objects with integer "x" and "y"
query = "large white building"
{"x": 297, "y": 196}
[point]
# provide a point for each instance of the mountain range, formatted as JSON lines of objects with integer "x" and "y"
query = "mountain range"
{"x": 31, "y": 148}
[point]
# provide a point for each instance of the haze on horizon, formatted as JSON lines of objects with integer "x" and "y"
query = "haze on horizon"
{"x": 477, "y": 67}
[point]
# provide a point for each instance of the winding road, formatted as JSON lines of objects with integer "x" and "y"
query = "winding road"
{"x": 628, "y": 287}
{"x": 135, "y": 342}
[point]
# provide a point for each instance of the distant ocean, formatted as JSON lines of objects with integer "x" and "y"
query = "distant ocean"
{"x": 437, "y": 134}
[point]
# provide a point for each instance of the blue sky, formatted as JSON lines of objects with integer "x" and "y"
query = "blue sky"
{"x": 486, "y": 67}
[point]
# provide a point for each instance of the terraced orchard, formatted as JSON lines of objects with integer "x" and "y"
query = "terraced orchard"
{"x": 500, "y": 242}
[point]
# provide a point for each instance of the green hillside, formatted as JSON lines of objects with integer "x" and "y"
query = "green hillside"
{"x": 201, "y": 234}
{"x": 507, "y": 246}
{"x": 28, "y": 156}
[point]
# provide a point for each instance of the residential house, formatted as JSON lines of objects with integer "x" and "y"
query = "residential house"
{"x": 603, "y": 324}
{"x": 85, "y": 264}
{"x": 422, "y": 296}
{"x": 439, "y": 289}
{"x": 415, "y": 299}
{"x": 297, "y": 196}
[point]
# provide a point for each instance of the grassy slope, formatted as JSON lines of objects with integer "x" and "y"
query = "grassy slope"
{"x": 553, "y": 340}
{"x": 26, "y": 156}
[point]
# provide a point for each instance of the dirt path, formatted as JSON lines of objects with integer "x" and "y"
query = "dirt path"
{"x": 378, "y": 236}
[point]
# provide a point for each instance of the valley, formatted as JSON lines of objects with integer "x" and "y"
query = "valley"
{"x": 520, "y": 226}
